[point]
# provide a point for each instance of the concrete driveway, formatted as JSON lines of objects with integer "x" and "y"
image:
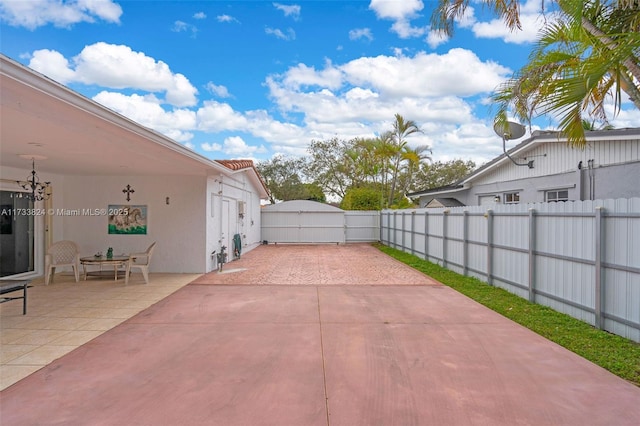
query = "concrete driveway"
{"x": 355, "y": 338}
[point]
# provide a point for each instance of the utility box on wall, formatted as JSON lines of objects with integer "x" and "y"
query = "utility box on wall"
{"x": 242, "y": 208}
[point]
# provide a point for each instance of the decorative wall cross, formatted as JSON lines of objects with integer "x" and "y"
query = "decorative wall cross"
{"x": 128, "y": 190}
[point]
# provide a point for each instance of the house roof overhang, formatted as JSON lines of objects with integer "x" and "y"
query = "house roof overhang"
{"x": 80, "y": 137}
{"x": 255, "y": 177}
{"x": 538, "y": 137}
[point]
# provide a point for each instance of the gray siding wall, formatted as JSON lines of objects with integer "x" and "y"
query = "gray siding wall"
{"x": 613, "y": 181}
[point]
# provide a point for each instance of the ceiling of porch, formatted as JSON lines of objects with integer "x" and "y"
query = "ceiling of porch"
{"x": 40, "y": 117}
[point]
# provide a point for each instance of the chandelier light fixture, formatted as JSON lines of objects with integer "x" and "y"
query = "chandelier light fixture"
{"x": 37, "y": 191}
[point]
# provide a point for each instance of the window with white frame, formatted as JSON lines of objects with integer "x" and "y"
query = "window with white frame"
{"x": 512, "y": 198}
{"x": 557, "y": 195}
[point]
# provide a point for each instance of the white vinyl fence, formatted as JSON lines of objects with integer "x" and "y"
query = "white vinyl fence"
{"x": 361, "y": 226}
{"x": 580, "y": 258}
{"x": 309, "y": 222}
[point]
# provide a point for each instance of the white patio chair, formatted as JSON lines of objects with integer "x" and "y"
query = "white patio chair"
{"x": 140, "y": 261}
{"x": 61, "y": 253}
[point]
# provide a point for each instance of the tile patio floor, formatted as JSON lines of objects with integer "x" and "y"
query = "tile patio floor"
{"x": 65, "y": 314}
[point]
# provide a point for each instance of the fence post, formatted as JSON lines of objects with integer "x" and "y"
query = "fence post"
{"x": 532, "y": 254}
{"x": 402, "y": 225}
{"x": 395, "y": 229}
{"x": 413, "y": 230}
{"x": 426, "y": 235}
{"x": 465, "y": 242}
{"x": 445, "y": 220}
{"x": 489, "y": 216}
{"x": 599, "y": 282}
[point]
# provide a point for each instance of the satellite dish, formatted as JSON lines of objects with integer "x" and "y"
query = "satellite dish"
{"x": 509, "y": 130}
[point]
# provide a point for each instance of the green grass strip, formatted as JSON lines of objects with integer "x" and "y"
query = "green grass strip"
{"x": 615, "y": 353}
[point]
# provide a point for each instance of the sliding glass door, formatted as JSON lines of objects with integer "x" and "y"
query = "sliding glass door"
{"x": 16, "y": 234}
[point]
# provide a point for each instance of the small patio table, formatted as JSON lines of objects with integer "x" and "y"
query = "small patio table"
{"x": 101, "y": 261}
{"x": 10, "y": 286}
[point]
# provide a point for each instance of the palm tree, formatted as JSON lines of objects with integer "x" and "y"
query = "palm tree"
{"x": 401, "y": 129}
{"x": 588, "y": 53}
{"x": 414, "y": 157}
{"x": 384, "y": 152}
{"x": 447, "y": 11}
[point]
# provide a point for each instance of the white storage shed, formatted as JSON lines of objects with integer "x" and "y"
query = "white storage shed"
{"x": 302, "y": 222}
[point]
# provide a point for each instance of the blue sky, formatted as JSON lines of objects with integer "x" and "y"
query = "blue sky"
{"x": 251, "y": 79}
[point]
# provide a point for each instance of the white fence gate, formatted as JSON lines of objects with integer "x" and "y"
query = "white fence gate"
{"x": 362, "y": 226}
{"x": 309, "y": 222}
{"x": 579, "y": 258}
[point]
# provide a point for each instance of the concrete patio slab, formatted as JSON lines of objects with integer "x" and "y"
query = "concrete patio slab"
{"x": 332, "y": 354}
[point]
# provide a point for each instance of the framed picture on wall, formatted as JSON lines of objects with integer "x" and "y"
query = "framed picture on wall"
{"x": 127, "y": 219}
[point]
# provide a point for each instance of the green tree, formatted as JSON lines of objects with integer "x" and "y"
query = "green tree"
{"x": 362, "y": 198}
{"x": 439, "y": 174}
{"x": 365, "y": 165}
{"x": 313, "y": 192}
{"x": 283, "y": 177}
{"x": 330, "y": 167}
{"x": 589, "y": 51}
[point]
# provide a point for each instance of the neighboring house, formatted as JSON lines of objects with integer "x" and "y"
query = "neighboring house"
{"x": 607, "y": 168}
{"x": 96, "y": 159}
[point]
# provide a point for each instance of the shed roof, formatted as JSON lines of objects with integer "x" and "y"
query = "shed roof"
{"x": 444, "y": 202}
{"x": 302, "y": 206}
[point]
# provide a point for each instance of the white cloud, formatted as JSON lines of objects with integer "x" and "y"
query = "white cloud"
{"x": 303, "y": 75}
{"x": 118, "y": 67}
{"x": 435, "y": 39}
{"x": 625, "y": 118}
{"x": 52, "y": 64}
{"x": 226, "y": 18}
{"x": 219, "y": 91}
{"x": 180, "y": 26}
{"x": 458, "y": 72}
{"x": 200, "y": 15}
{"x": 396, "y": 10}
{"x": 235, "y": 147}
{"x": 401, "y": 12}
{"x": 32, "y": 14}
{"x": 531, "y": 25}
{"x": 148, "y": 111}
{"x": 292, "y": 10}
{"x": 289, "y": 35}
{"x": 217, "y": 117}
{"x": 359, "y": 33}
{"x": 531, "y": 20}
{"x": 211, "y": 147}
{"x": 469, "y": 141}
{"x": 404, "y": 29}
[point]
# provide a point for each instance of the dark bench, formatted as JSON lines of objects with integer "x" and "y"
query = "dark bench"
{"x": 9, "y": 286}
